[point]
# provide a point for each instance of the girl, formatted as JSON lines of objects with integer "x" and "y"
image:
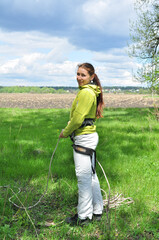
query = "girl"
{"x": 87, "y": 106}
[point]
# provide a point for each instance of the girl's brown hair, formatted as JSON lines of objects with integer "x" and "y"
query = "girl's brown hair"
{"x": 100, "y": 102}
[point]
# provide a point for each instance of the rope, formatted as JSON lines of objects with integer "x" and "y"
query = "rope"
{"x": 49, "y": 173}
{"x": 113, "y": 202}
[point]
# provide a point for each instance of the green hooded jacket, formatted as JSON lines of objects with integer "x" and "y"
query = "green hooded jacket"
{"x": 84, "y": 106}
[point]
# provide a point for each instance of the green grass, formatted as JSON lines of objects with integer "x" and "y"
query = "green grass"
{"x": 128, "y": 150}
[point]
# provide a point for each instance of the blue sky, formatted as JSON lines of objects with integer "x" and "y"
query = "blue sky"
{"x": 42, "y": 41}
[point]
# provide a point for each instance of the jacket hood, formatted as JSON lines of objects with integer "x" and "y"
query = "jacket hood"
{"x": 93, "y": 87}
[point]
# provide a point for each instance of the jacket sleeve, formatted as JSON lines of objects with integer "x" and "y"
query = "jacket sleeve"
{"x": 83, "y": 106}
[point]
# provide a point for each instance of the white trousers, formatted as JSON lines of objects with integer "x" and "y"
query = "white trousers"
{"x": 89, "y": 194}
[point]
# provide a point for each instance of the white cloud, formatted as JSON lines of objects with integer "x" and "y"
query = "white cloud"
{"x": 115, "y": 67}
{"x": 38, "y": 58}
{"x": 108, "y": 16}
{"x": 79, "y": 21}
{"x": 113, "y": 76}
{"x": 35, "y": 59}
{"x": 33, "y": 54}
{"x": 20, "y": 43}
{"x": 32, "y": 58}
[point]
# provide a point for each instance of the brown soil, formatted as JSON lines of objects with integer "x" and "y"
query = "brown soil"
{"x": 29, "y": 100}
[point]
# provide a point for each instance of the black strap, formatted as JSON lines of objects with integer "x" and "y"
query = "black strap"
{"x": 87, "y": 122}
{"x": 87, "y": 151}
{"x": 83, "y": 150}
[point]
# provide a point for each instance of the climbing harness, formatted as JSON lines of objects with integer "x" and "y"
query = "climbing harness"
{"x": 87, "y": 151}
{"x": 84, "y": 150}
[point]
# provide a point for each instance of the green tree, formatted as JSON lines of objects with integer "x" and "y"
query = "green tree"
{"x": 144, "y": 35}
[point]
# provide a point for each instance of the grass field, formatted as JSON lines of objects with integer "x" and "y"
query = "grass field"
{"x": 128, "y": 151}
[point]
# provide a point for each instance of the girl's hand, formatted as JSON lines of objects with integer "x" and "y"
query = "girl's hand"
{"x": 61, "y": 134}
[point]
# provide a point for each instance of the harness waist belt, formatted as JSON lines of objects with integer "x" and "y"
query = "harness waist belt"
{"x": 87, "y": 122}
{"x": 87, "y": 151}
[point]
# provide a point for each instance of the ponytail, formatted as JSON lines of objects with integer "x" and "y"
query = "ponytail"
{"x": 100, "y": 101}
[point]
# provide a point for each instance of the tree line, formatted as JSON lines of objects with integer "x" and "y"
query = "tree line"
{"x": 58, "y": 90}
{"x": 23, "y": 89}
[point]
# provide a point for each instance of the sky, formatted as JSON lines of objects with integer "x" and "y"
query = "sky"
{"x": 43, "y": 41}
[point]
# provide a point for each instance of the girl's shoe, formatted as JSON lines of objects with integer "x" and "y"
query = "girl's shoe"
{"x": 75, "y": 221}
{"x": 97, "y": 217}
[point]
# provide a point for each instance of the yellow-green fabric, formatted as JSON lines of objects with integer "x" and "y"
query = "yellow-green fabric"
{"x": 84, "y": 106}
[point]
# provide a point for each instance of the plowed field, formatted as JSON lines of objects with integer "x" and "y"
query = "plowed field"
{"x": 29, "y": 100}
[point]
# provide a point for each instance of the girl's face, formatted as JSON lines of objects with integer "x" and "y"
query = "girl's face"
{"x": 83, "y": 76}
